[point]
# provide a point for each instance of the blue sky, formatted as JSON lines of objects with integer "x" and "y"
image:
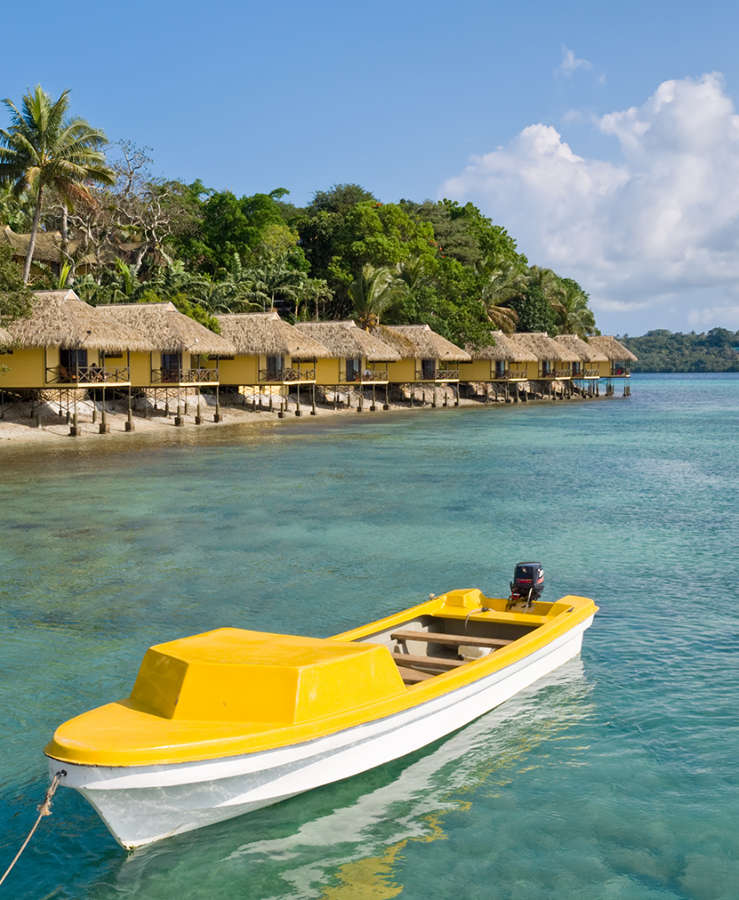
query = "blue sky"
{"x": 521, "y": 108}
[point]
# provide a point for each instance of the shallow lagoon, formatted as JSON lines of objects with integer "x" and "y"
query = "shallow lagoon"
{"x": 617, "y": 779}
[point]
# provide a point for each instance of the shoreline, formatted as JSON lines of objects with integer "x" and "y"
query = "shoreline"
{"x": 18, "y": 431}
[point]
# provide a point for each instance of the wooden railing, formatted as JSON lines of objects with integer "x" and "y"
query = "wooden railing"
{"x": 293, "y": 373}
{"x": 450, "y": 374}
{"x": 184, "y": 376}
{"x": 86, "y": 375}
{"x": 370, "y": 373}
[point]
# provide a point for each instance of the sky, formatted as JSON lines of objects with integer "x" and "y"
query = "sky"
{"x": 603, "y": 136}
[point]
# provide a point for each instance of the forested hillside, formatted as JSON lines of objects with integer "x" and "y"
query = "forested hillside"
{"x": 666, "y": 351}
{"x": 75, "y": 211}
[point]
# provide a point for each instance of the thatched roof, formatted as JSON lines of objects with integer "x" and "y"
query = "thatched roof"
{"x": 347, "y": 339}
{"x": 168, "y": 329}
{"x": 543, "y": 347}
{"x": 586, "y": 352}
{"x": 48, "y": 246}
{"x": 267, "y": 333}
{"x": 613, "y": 349}
{"x": 420, "y": 342}
{"x": 503, "y": 349}
{"x": 61, "y": 319}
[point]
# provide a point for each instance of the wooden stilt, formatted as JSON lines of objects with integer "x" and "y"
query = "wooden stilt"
{"x": 217, "y": 414}
{"x": 104, "y": 427}
{"x": 313, "y": 400}
{"x": 386, "y": 404}
{"x": 372, "y": 405}
{"x": 297, "y": 400}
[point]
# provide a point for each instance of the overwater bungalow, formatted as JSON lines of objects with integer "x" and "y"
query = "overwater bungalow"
{"x": 65, "y": 348}
{"x": 553, "y": 369}
{"x": 271, "y": 356}
{"x": 500, "y": 366}
{"x": 426, "y": 358}
{"x": 184, "y": 358}
{"x": 585, "y": 372}
{"x": 357, "y": 359}
{"x": 617, "y": 361}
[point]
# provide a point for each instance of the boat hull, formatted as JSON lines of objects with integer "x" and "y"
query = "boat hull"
{"x": 143, "y": 804}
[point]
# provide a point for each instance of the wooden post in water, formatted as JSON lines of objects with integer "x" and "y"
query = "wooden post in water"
{"x": 372, "y": 405}
{"x": 386, "y": 404}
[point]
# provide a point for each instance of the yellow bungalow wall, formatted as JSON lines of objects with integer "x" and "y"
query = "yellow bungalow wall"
{"x": 328, "y": 371}
{"x": 402, "y": 371}
{"x": 239, "y": 370}
{"x": 23, "y": 368}
{"x": 477, "y": 370}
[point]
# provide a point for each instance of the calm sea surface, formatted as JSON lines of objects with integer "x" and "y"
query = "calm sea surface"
{"x": 616, "y": 778}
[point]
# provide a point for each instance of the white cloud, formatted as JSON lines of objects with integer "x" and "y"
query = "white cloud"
{"x": 653, "y": 235}
{"x": 570, "y": 63}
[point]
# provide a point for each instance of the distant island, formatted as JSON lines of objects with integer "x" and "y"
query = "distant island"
{"x": 661, "y": 350}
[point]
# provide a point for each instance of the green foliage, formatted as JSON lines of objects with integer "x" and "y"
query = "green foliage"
{"x": 15, "y": 296}
{"x": 184, "y": 305}
{"x": 44, "y": 150}
{"x": 664, "y": 351}
{"x": 533, "y": 307}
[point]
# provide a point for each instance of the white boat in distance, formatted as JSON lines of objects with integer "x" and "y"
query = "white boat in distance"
{"x": 226, "y": 722}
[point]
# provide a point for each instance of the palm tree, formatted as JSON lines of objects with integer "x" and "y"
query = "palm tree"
{"x": 571, "y": 310}
{"x": 502, "y": 285}
{"x": 43, "y": 149}
{"x": 373, "y": 291}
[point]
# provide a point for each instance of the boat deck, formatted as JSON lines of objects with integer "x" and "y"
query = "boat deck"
{"x": 428, "y": 646}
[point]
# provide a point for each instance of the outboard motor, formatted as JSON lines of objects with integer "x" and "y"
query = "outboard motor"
{"x": 527, "y": 584}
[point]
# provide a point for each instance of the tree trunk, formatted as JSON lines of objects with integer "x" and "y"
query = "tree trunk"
{"x": 32, "y": 239}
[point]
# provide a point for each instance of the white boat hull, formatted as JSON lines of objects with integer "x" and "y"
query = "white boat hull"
{"x": 143, "y": 804}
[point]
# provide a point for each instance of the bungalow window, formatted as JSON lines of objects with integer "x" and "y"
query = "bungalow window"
{"x": 171, "y": 366}
{"x": 546, "y": 367}
{"x": 353, "y": 368}
{"x": 428, "y": 369}
{"x": 275, "y": 368}
{"x": 575, "y": 368}
{"x": 500, "y": 368}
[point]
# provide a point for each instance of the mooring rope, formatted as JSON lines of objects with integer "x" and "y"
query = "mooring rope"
{"x": 43, "y": 810}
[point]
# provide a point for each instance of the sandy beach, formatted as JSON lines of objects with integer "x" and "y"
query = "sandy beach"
{"x": 20, "y": 424}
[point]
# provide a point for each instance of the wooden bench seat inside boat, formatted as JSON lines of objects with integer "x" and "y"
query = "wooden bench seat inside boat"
{"x": 450, "y": 640}
{"x": 428, "y": 662}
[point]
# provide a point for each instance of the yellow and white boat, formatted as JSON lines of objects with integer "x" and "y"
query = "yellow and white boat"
{"x": 225, "y": 722}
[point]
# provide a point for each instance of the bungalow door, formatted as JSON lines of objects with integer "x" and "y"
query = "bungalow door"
{"x": 500, "y": 368}
{"x": 275, "y": 368}
{"x": 428, "y": 369}
{"x": 70, "y": 362}
{"x": 353, "y": 368}
{"x": 171, "y": 366}
{"x": 546, "y": 368}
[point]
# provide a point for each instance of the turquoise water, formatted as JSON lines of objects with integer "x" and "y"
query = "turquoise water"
{"x": 617, "y": 778}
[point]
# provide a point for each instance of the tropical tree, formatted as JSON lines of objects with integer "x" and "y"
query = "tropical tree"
{"x": 571, "y": 310}
{"x": 43, "y": 150}
{"x": 373, "y": 291}
{"x": 15, "y": 296}
{"x": 500, "y": 287}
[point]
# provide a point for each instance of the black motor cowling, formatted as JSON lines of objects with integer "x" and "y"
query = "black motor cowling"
{"x": 528, "y": 582}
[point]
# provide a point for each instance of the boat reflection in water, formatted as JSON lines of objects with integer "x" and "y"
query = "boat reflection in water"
{"x": 351, "y": 832}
